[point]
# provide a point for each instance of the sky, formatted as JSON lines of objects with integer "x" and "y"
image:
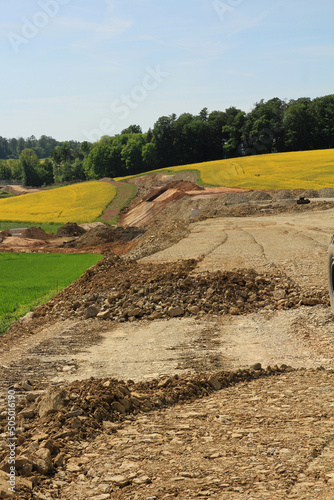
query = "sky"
{"x": 81, "y": 69}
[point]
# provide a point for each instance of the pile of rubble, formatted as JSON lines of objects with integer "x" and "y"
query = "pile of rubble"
{"x": 121, "y": 290}
{"x": 49, "y": 421}
{"x": 103, "y": 234}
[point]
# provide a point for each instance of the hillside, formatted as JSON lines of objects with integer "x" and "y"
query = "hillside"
{"x": 300, "y": 169}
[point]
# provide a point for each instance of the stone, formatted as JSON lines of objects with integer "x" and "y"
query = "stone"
{"x": 257, "y": 366}
{"x": 26, "y": 386}
{"x": 27, "y": 414}
{"x": 91, "y": 312}
{"x": 116, "y": 406}
{"x": 42, "y": 461}
{"x": 215, "y": 384}
{"x": 73, "y": 467}
{"x": 119, "y": 480}
{"x": 174, "y": 312}
{"x": 142, "y": 480}
{"x": 52, "y": 402}
{"x": 134, "y": 312}
{"x": 104, "y": 314}
{"x": 59, "y": 460}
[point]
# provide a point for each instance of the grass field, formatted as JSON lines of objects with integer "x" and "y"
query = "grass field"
{"x": 79, "y": 203}
{"x": 300, "y": 169}
{"x": 48, "y": 228}
{"x": 27, "y": 280}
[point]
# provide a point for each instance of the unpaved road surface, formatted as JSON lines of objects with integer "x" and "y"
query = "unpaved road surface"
{"x": 265, "y": 438}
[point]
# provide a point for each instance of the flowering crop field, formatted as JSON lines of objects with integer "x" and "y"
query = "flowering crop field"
{"x": 29, "y": 279}
{"x": 78, "y": 203}
{"x": 300, "y": 169}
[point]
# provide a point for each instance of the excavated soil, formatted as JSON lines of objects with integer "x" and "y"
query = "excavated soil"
{"x": 199, "y": 366}
{"x": 104, "y": 234}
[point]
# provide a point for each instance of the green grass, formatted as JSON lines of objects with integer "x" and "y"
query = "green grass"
{"x": 48, "y": 228}
{"x": 125, "y": 193}
{"x": 27, "y": 280}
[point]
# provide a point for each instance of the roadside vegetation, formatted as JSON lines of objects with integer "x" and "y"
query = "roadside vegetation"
{"x": 29, "y": 279}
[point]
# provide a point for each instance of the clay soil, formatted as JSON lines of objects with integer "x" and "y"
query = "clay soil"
{"x": 198, "y": 365}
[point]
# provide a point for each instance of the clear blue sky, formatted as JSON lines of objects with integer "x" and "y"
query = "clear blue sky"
{"x": 79, "y": 69}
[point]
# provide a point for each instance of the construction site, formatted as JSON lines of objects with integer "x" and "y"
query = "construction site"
{"x": 195, "y": 360}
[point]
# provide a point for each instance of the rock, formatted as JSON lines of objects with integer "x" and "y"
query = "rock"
{"x": 113, "y": 296}
{"x": 279, "y": 294}
{"x": 24, "y": 464}
{"x": 42, "y": 461}
{"x": 27, "y": 414}
{"x": 52, "y": 402}
{"x": 27, "y": 386}
{"x": 91, "y": 312}
{"x": 134, "y": 311}
{"x": 257, "y": 366}
{"x": 116, "y": 406}
{"x": 104, "y": 314}
{"x": 70, "y": 467}
{"x": 194, "y": 309}
{"x": 119, "y": 480}
{"x": 174, "y": 312}
{"x": 234, "y": 311}
{"x": 59, "y": 460}
{"x": 215, "y": 384}
{"x": 142, "y": 480}
{"x": 4, "y": 485}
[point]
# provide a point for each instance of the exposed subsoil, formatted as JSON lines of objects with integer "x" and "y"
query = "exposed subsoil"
{"x": 198, "y": 366}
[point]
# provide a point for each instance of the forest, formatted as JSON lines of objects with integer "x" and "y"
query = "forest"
{"x": 272, "y": 126}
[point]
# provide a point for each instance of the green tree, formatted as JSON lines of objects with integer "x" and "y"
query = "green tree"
{"x": 150, "y": 156}
{"x": 132, "y": 154}
{"x": 29, "y": 163}
{"x": 323, "y": 112}
{"x": 299, "y": 124}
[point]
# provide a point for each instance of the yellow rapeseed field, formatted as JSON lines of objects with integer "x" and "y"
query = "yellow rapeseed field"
{"x": 79, "y": 203}
{"x": 300, "y": 169}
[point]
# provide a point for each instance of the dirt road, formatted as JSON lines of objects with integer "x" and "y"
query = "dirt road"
{"x": 265, "y": 439}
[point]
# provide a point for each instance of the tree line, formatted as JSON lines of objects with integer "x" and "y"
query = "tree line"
{"x": 272, "y": 126}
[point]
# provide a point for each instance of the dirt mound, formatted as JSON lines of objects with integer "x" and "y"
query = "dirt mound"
{"x": 26, "y": 243}
{"x": 326, "y": 193}
{"x": 258, "y": 196}
{"x": 5, "y": 233}
{"x": 35, "y": 233}
{"x": 283, "y": 194}
{"x": 310, "y": 193}
{"x": 153, "y": 291}
{"x": 105, "y": 234}
{"x": 70, "y": 229}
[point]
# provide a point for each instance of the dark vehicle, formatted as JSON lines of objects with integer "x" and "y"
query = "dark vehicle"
{"x": 303, "y": 201}
{"x": 331, "y": 273}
